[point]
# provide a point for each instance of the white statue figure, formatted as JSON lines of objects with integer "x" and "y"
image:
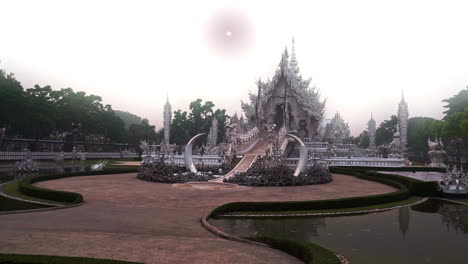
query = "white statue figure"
{"x": 436, "y": 153}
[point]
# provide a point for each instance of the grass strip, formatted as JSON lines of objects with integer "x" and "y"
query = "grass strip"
{"x": 307, "y": 252}
{"x": 44, "y": 259}
{"x": 411, "y": 200}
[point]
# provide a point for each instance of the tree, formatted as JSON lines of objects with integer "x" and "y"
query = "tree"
{"x": 363, "y": 139}
{"x": 455, "y": 133}
{"x": 128, "y": 118}
{"x": 419, "y": 130}
{"x": 386, "y": 130}
{"x": 186, "y": 125}
{"x": 456, "y": 103}
{"x": 180, "y": 128}
{"x": 143, "y": 131}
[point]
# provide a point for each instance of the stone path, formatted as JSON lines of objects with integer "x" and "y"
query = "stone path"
{"x": 129, "y": 219}
{"x": 247, "y": 161}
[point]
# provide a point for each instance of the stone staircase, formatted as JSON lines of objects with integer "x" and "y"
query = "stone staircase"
{"x": 248, "y": 159}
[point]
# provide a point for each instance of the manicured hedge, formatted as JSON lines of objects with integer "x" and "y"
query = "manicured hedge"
{"x": 406, "y": 187}
{"x": 434, "y": 169}
{"x": 307, "y": 252}
{"x": 415, "y": 186}
{"x": 8, "y": 204}
{"x": 399, "y": 195}
{"x": 44, "y": 259}
{"x": 26, "y": 187}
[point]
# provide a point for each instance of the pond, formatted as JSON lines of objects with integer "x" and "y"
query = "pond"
{"x": 431, "y": 232}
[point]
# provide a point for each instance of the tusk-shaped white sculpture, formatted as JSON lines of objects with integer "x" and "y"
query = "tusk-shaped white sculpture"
{"x": 188, "y": 154}
{"x": 303, "y": 156}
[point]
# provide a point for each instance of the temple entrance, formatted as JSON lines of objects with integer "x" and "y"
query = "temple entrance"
{"x": 279, "y": 116}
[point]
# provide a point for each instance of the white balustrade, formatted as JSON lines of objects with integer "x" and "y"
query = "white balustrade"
{"x": 243, "y": 138}
{"x": 6, "y": 155}
{"x": 364, "y": 162}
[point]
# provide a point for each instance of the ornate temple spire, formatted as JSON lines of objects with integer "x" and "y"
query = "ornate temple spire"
{"x": 284, "y": 59}
{"x": 403, "y": 119}
{"x": 167, "y": 120}
{"x": 293, "y": 60}
{"x": 371, "y": 126}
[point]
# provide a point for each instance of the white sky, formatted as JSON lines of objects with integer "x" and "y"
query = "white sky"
{"x": 360, "y": 53}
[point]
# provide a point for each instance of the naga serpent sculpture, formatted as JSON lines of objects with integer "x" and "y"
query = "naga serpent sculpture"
{"x": 188, "y": 154}
{"x": 303, "y": 155}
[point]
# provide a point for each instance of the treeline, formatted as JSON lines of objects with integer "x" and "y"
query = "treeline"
{"x": 43, "y": 113}
{"x": 452, "y": 129}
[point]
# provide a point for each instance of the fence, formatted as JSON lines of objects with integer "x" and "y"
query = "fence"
{"x": 367, "y": 162}
{"x": 13, "y": 156}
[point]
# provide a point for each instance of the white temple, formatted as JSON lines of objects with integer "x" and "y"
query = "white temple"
{"x": 286, "y": 100}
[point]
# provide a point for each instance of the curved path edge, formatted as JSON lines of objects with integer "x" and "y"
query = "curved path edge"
{"x": 53, "y": 206}
{"x": 330, "y": 213}
{"x": 216, "y": 231}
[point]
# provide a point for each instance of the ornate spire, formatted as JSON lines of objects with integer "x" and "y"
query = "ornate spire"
{"x": 167, "y": 120}
{"x": 371, "y": 126}
{"x": 403, "y": 119}
{"x": 293, "y": 60}
{"x": 284, "y": 59}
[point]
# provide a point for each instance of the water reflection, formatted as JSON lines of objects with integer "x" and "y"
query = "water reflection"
{"x": 8, "y": 171}
{"x": 404, "y": 219}
{"x": 430, "y": 232}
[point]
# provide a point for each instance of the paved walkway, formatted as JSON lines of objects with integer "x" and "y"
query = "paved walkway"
{"x": 129, "y": 219}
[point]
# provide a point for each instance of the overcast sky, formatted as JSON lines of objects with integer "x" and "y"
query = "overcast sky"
{"x": 361, "y": 54}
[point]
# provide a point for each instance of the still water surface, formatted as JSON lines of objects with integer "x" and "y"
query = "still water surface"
{"x": 431, "y": 232}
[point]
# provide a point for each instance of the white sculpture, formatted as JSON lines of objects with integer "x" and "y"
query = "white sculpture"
{"x": 436, "y": 153}
{"x": 454, "y": 182}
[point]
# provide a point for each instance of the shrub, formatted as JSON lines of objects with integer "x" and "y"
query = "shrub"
{"x": 159, "y": 171}
{"x": 8, "y": 204}
{"x": 261, "y": 174}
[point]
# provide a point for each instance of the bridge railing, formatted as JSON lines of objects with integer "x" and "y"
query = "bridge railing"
{"x": 243, "y": 138}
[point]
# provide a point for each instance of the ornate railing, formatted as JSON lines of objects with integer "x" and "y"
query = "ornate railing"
{"x": 178, "y": 160}
{"x": 243, "y": 138}
{"x": 7, "y": 155}
{"x": 367, "y": 162}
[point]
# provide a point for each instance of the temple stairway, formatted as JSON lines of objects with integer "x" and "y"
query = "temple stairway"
{"x": 256, "y": 148}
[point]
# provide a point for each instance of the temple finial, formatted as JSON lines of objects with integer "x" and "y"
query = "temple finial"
{"x": 293, "y": 44}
